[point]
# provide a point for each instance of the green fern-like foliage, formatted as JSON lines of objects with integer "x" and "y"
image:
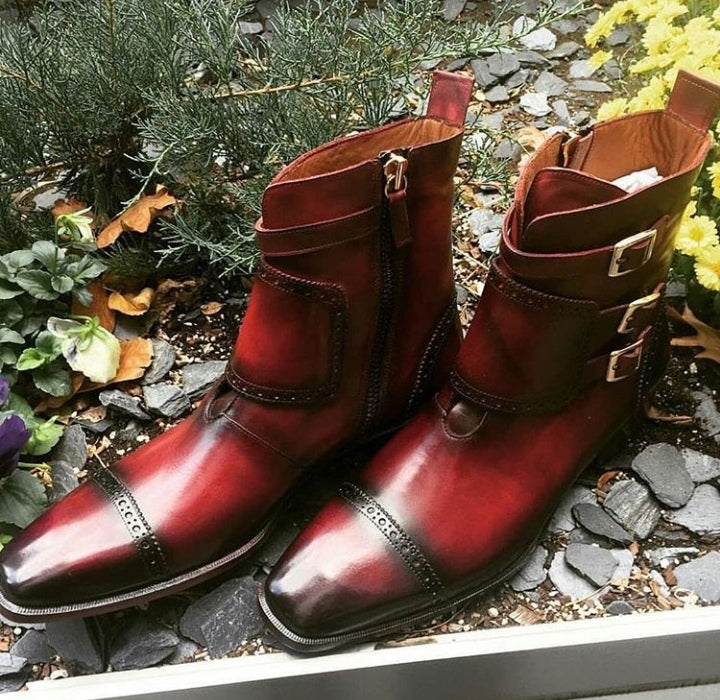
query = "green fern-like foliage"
{"x": 110, "y": 97}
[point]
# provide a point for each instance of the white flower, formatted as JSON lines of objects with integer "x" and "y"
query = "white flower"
{"x": 76, "y": 226}
{"x": 88, "y": 347}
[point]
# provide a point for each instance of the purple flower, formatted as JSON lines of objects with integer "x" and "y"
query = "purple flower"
{"x": 13, "y": 436}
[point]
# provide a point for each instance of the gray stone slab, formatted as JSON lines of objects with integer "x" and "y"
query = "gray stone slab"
{"x": 533, "y": 572}
{"x": 701, "y": 515}
{"x": 701, "y": 467}
{"x": 702, "y": 576}
{"x": 594, "y": 519}
{"x": 634, "y": 507}
{"x": 594, "y": 563}
{"x": 563, "y": 520}
{"x": 200, "y": 376}
{"x": 567, "y": 581}
{"x": 662, "y": 468}
{"x": 166, "y": 400}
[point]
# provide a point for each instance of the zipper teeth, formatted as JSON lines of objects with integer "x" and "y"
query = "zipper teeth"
{"x": 384, "y": 319}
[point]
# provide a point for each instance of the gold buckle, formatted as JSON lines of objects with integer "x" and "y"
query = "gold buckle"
{"x": 612, "y": 370}
{"x": 633, "y": 306}
{"x": 630, "y": 242}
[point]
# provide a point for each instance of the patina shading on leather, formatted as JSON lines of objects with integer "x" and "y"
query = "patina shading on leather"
{"x": 351, "y": 323}
{"x": 567, "y": 340}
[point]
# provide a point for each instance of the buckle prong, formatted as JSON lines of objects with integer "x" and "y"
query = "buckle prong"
{"x": 622, "y": 246}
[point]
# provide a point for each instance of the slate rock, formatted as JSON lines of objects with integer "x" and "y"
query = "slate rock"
{"x": 457, "y": 64}
{"x": 535, "y": 103}
{"x": 594, "y": 563}
{"x": 484, "y": 78}
{"x": 517, "y": 79}
{"x": 618, "y": 36}
{"x": 461, "y": 294}
{"x": 664, "y": 556}
{"x": 581, "y": 69}
{"x": 452, "y": 8}
{"x": 250, "y": 27}
{"x": 183, "y": 652}
{"x": 482, "y": 220}
{"x": 701, "y": 515}
{"x": 566, "y": 26}
{"x": 620, "y": 607}
{"x": 199, "y": 377}
{"x": 562, "y": 520}
{"x": 592, "y": 86}
{"x": 163, "y": 359}
{"x": 166, "y": 399}
{"x": 98, "y": 427}
{"x": 707, "y": 414}
{"x": 612, "y": 69}
{"x": 582, "y": 536}
{"x": 626, "y": 561}
{"x": 14, "y": 671}
{"x": 34, "y": 647}
{"x": 508, "y": 149}
{"x": 701, "y": 467}
{"x": 702, "y": 576}
{"x": 567, "y": 581}
{"x": 224, "y": 618}
{"x": 489, "y": 242}
{"x": 564, "y": 50}
{"x": 123, "y": 403}
{"x": 539, "y": 40}
{"x": 503, "y": 64}
{"x": 550, "y": 84}
{"x": 634, "y": 507}
{"x": 72, "y": 447}
{"x": 64, "y": 479}
{"x": 533, "y": 572}
{"x": 532, "y": 58}
{"x": 141, "y": 644}
{"x": 662, "y": 468}
{"x": 497, "y": 94}
{"x": 597, "y": 521}
{"x": 562, "y": 112}
{"x": 76, "y": 644}
{"x": 494, "y": 120}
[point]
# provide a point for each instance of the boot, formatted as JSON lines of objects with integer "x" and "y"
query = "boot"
{"x": 355, "y": 289}
{"x": 568, "y": 338}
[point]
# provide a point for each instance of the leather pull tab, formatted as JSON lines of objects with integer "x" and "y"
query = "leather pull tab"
{"x": 449, "y": 97}
{"x": 399, "y": 221}
{"x": 695, "y": 99}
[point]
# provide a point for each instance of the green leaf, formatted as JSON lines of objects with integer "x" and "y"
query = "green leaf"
{"x": 83, "y": 296}
{"x": 53, "y": 379}
{"x": 30, "y": 359}
{"x": 22, "y": 499}
{"x": 44, "y": 436}
{"x": 47, "y": 254}
{"x": 48, "y": 345}
{"x": 8, "y": 356}
{"x": 10, "y": 312}
{"x": 12, "y": 262}
{"x": 85, "y": 269}
{"x": 9, "y": 291}
{"x": 62, "y": 283}
{"x": 37, "y": 283}
{"x": 17, "y": 404}
{"x": 9, "y": 336}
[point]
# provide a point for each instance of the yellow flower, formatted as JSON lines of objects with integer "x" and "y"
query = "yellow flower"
{"x": 607, "y": 21}
{"x": 599, "y": 58}
{"x": 714, "y": 171}
{"x": 697, "y": 233}
{"x": 707, "y": 268}
{"x": 612, "y": 109}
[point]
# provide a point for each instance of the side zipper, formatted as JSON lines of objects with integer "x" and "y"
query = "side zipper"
{"x": 394, "y": 234}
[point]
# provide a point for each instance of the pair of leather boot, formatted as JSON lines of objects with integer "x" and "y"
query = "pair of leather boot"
{"x": 352, "y": 332}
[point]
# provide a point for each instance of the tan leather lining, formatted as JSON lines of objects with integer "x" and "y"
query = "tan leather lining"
{"x": 366, "y": 146}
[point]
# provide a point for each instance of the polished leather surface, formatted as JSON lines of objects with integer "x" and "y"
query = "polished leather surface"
{"x": 297, "y": 388}
{"x": 477, "y": 473}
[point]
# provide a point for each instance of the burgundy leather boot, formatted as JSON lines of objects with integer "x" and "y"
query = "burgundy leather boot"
{"x": 568, "y": 338}
{"x": 351, "y": 323}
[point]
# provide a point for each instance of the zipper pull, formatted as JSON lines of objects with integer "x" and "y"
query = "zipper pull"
{"x": 395, "y": 171}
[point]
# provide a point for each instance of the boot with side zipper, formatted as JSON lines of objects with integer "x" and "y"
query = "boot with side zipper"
{"x": 568, "y": 338}
{"x": 351, "y": 323}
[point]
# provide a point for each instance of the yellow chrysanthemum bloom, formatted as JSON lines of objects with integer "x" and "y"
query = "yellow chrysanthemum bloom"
{"x": 599, "y": 58}
{"x": 714, "y": 171}
{"x": 607, "y": 21}
{"x": 612, "y": 109}
{"x": 707, "y": 268}
{"x": 697, "y": 233}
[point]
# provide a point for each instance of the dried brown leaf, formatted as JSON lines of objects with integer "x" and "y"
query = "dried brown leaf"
{"x": 706, "y": 338}
{"x": 99, "y": 306}
{"x": 657, "y": 414}
{"x": 212, "y": 308}
{"x": 137, "y": 217}
{"x": 132, "y": 304}
{"x": 604, "y": 479}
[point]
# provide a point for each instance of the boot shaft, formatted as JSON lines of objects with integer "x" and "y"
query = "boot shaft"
{"x": 355, "y": 285}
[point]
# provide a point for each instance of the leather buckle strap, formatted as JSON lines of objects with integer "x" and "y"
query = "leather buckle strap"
{"x": 625, "y": 362}
{"x": 642, "y": 242}
{"x": 647, "y": 302}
